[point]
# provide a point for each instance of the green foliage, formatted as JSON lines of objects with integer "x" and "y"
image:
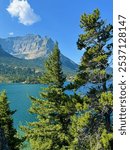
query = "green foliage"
{"x": 6, "y": 123}
{"x": 94, "y": 125}
{"x": 53, "y": 110}
{"x": 105, "y": 138}
{"x": 16, "y": 74}
{"x": 17, "y": 70}
{"x": 74, "y": 122}
{"x": 97, "y": 48}
{"x": 106, "y": 99}
{"x": 53, "y": 71}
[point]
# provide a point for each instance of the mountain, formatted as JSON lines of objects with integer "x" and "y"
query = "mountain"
{"x": 4, "y": 54}
{"x": 27, "y": 47}
{"x": 32, "y": 47}
{"x": 21, "y": 56}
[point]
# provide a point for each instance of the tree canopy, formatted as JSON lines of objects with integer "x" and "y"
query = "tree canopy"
{"x": 96, "y": 41}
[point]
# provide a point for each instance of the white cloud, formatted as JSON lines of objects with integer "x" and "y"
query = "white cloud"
{"x": 24, "y": 12}
{"x": 11, "y": 33}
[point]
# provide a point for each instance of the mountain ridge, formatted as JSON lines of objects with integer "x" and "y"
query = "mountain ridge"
{"x": 29, "y": 53}
{"x": 27, "y": 47}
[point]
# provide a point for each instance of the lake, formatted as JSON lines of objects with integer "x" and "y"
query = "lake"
{"x": 18, "y": 96}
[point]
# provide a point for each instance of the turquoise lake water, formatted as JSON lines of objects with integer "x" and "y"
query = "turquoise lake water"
{"x": 18, "y": 96}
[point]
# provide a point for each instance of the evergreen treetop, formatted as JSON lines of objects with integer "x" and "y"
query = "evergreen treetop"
{"x": 96, "y": 41}
{"x": 94, "y": 124}
{"x": 53, "y": 74}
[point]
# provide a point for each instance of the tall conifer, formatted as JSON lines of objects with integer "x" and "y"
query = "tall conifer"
{"x": 51, "y": 130}
{"x": 96, "y": 132}
{"x": 6, "y": 123}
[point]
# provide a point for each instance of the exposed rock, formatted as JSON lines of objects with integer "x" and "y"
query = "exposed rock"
{"x": 27, "y": 47}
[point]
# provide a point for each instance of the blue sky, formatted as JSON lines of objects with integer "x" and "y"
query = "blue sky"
{"x": 58, "y": 19}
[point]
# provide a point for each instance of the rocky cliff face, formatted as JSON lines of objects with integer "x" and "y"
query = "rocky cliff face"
{"x": 27, "y": 47}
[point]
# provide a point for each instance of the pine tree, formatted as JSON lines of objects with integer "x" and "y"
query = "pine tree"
{"x": 94, "y": 132}
{"x": 6, "y": 123}
{"x": 53, "y": 75}
{"x": 54, "y": 110}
